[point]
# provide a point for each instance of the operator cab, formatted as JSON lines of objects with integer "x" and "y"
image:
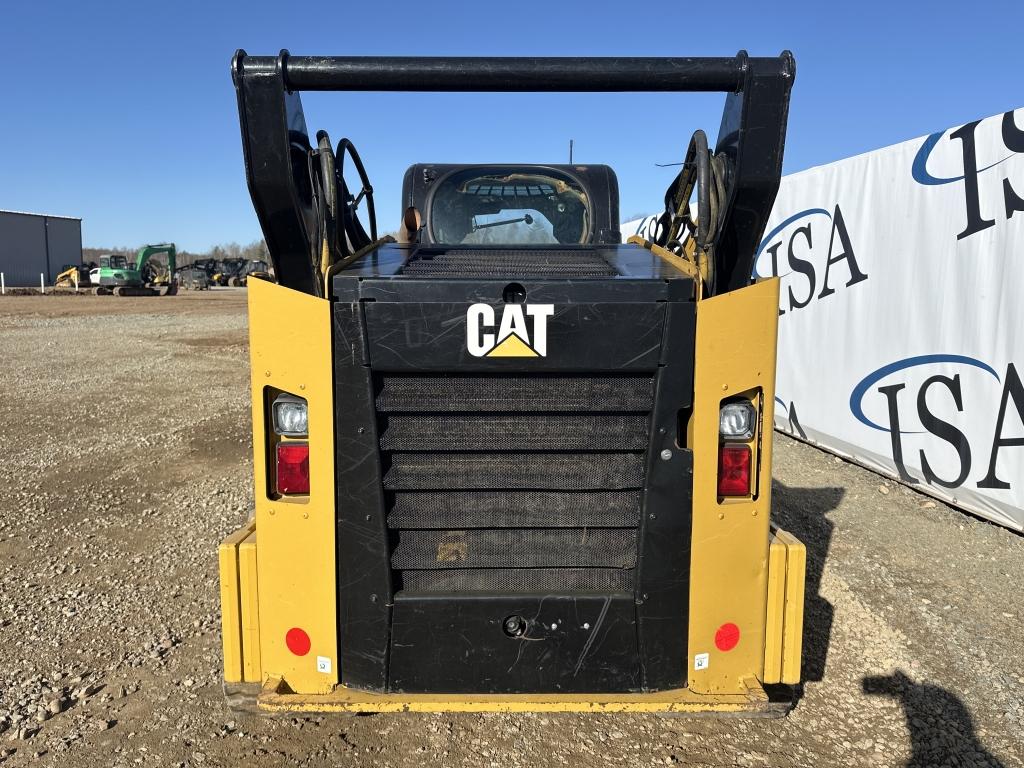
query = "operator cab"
{"x": 112, "y": 261}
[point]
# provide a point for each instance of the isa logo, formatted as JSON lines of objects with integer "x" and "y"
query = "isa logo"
{"x": 521, "y": 332}
{"x": 953, "y": 415}
{"x": 813, "y": 253}
{"x": 973, "y": 157}
{"x": 786, "y": 415}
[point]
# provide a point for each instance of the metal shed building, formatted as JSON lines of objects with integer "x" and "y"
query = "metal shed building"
{"x": 34, "y": 243}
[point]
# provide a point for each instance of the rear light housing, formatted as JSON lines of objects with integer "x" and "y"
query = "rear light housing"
{"x": 292, "y": 467}
{"x": 734, "y": 469}
{"x": 291, "y": 416}
{"x": 737, "y": 420}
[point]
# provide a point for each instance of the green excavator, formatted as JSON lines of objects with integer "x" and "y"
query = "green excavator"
{"x": 145, "y": 277}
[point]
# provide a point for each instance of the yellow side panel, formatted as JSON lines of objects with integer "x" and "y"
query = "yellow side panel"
{"x": 250, "y": 610}
{"x": 290, "y": 349}
{"x": 793, "y": 628}
{"x": 735, "y": 353}
{"x": 775, "y": 612}
{"x": 230, "y": 606}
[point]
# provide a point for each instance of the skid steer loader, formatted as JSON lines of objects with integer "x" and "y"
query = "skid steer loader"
{"x": 505, "y": 462}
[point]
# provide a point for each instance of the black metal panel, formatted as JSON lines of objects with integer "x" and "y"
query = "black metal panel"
{"x": 515, "y": 548}
{"x": 550, "y": 504}
{"x": 514, "y": 509}
{"x": 500, "y": 263}
{"x": 632, "y": 264}
{"x": 528, "y": 581}
{"x": 514, "y": 471}
{"x": 364, "y": 575}
{"x": 580, "y": 337}
{"x": 492, "y": 291}
{"x": 515, "y": 394}
{"x": 514, "y": 486}
{"x": 663, "y": 579}
{"x": 458, "y": 643}
{"x": 482, "y": 432}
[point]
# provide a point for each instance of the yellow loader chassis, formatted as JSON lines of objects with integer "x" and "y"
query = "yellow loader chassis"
{"x": 742, "y": 571}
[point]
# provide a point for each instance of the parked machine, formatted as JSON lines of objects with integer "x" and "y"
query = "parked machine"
{"x": 236, "y": 272}
{"x": 508, "y": 462}
{"x": 222, "y": 270}
{"x": 117, "y": 276}
{"x": 193, "y": 278}
{"x": 75, "y": 276}
{"x": 252, "y": 268}
{"x": 208, "y": 266}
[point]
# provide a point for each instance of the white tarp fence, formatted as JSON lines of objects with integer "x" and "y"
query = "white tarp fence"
{"x": 901, "y": 315}
{"x": 901, "y": 328}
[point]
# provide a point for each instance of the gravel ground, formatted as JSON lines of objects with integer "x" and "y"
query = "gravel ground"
{"x": 126, "y": 447}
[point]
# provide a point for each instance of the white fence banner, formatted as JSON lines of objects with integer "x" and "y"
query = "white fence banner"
{"x": 901, "y": 317}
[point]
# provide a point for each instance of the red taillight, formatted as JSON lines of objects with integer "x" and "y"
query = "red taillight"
{"x": 293, "y": 467}
{"x": 734, "y": 470}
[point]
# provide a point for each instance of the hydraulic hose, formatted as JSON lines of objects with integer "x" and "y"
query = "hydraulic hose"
{"x": 707, "y": 173}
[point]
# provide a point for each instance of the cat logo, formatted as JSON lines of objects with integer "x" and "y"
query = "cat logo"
{"x": 512, "y": 339}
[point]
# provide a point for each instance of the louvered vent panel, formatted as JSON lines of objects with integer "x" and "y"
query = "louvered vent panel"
{"x": 512, "y": 483}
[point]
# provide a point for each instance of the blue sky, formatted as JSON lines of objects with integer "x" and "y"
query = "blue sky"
{"x": 124, "y": 113}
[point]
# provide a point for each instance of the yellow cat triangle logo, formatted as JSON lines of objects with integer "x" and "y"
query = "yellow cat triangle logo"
{"x": 513, "y": 346}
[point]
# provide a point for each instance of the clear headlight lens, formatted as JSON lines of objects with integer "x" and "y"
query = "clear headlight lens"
{"x": 291, "y": 416}
{"x": 736, "y": 421}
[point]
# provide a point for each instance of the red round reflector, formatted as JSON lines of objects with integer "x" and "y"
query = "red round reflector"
{"x": 297, "y": 641}
{"x": 727, "y": 637}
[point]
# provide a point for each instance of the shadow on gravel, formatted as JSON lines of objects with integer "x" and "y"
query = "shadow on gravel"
{"x": 802, "y": 512}
{"x": 941, "y": 728}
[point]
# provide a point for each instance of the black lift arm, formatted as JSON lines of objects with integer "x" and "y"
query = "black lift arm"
{"x": 276, "y": 143}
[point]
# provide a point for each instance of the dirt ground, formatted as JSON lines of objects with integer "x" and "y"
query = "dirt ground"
{"x": 124, "y": 435}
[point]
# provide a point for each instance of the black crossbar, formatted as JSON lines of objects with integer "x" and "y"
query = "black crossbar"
{"x": 573, "y": 74}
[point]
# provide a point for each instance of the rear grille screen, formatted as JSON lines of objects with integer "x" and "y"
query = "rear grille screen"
{"x": 504, "y": 263}
{"x": 511, "y": 483}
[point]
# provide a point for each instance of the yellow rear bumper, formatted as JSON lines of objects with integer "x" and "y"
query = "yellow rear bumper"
{"x": 275, "y": 697}
{"x": 248, "y": 686}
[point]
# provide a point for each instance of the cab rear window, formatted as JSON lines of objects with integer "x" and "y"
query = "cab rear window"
{"x": 509, "y": 206}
